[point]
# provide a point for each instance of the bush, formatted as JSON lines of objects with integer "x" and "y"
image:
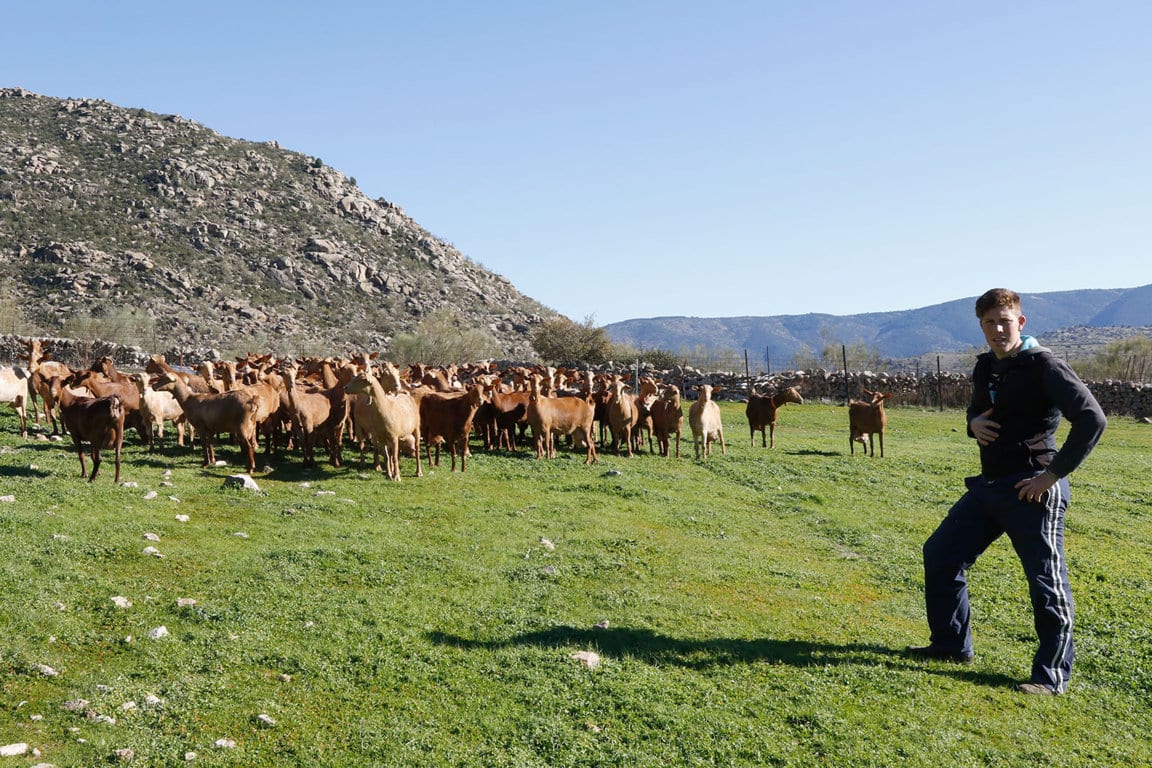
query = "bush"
{"x": 561, "y": 339}
{"x": 441, "y": 339}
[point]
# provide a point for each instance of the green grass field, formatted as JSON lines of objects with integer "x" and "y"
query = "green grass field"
{"x": 757, "y": 606}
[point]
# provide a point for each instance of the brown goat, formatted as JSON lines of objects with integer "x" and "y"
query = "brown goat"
{"x": 866, "y": 420}
{"x": 447, "y": 418}
{"x": 97, "y": 420}
{"x": 211, "y": 414}
{"x": 559, "y": 415}
{"x": 622, "y": 415}
{"x": 761, "y": 413}
{"x": 667, "y": 419}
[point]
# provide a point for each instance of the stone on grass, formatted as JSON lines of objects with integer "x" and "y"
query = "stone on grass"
{"x": 153, "y": 552}
{"x": 13, "y": 750}
{"x": 242, "y": 481}
{"x": 266, "y": 721}
{"x": 121, "y": 602}
{"x": 125, "y": 755}
{"x": 151, "y": 537}
{"x": 548, "y": 545}
{"x": 182, "y": 518}
{"x": 151, "y": 495}
{"x": 152, "y": 700}
{"x": 590, "y": 659}
{"x": 75, "y": 705}
{"x": 46, "y": 670}
{"x": 601, "y": 624}
{"x": 185, "y": 602}
{"x": 224, "y": 743}
{"x": 159, "y": 633}
{"x": 9, "y": 498}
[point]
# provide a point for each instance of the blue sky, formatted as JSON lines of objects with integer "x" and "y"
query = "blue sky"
{"x": 640, "y": 159}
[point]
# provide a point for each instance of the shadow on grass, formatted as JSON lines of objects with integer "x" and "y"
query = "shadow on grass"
{"x": 811, "y": 452}
{"x": 23, "y": 472}
{"x": 653, "y": 648}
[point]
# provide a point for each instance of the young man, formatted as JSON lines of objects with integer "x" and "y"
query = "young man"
{"x": 1019, "y": 392}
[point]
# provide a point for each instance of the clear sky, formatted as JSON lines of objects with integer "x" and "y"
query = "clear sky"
{"x": 638, "y": 158}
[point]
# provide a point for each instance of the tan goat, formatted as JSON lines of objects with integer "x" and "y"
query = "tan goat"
{"x": 386, "y": 419}
{"x": 15, "y": 389}
{"x": 157, "y": 408}
{"x": 704, "y": 418}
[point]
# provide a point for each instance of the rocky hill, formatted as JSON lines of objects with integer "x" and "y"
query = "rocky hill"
{"x": 1085, "y": 320}
{"x": 217, "y": 241}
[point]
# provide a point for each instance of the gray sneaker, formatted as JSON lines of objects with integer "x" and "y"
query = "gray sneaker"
{"x": 1036, "y": 689}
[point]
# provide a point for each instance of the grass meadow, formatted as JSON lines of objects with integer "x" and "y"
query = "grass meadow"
{"x": 757, "y": 606}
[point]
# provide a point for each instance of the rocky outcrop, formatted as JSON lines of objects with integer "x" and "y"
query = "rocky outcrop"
{"x": 222, "y": 242}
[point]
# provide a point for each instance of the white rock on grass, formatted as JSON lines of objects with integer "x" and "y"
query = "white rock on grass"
{"x": 547, "y": 544}
{"x": 266, "y": 721}
{"x": 46, "y": 670}
{"x": 9, "y": 498}
{"x": 185, "y": 602}
{"x": 158, "y": 633}
{"x": 152, "y": 700}
{"x": 151, "y": 537}
{"x": 242, "y": 481}
{"x": 151, "y": 495}
{"x": 590, "y": 659}
{"x": 182, "y": 518}
{"x": 152, "y": 552}
{"x": 224, "y": 743}
{"x": 75, "y": 705}
{"x": 14, "y": 750}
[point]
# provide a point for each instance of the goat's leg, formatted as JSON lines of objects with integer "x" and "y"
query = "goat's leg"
{"x": 95, "y": 459}
{"x": 80, "y": 452}
{"x": 119, "y": 442}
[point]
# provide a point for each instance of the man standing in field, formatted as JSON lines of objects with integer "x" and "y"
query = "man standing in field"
{"x": 1019, "y": 392}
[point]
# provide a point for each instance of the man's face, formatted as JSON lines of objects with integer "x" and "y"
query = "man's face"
{"x": 1001, "y": 326}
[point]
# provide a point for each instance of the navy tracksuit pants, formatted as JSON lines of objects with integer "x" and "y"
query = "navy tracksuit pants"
{"x": 988, "y": 509}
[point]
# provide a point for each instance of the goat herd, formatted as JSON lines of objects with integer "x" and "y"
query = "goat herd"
{"x": 310, "y": 405}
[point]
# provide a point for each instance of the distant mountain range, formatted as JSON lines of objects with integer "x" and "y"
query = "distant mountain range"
{"x": 941, "y": 328}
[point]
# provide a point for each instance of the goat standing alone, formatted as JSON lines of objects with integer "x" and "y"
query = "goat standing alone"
{"x": 761, "y": 413}
{"x": 866, "y": 420}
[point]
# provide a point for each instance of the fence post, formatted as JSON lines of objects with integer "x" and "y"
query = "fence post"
{"x": 844, "y": 358}
{"x": 939, "y": 384}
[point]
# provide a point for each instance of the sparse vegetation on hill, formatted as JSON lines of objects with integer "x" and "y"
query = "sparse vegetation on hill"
{"x": 121, "y": 221}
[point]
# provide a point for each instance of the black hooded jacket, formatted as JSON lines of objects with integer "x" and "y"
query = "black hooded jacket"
{"x": 1028, "y": 392}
